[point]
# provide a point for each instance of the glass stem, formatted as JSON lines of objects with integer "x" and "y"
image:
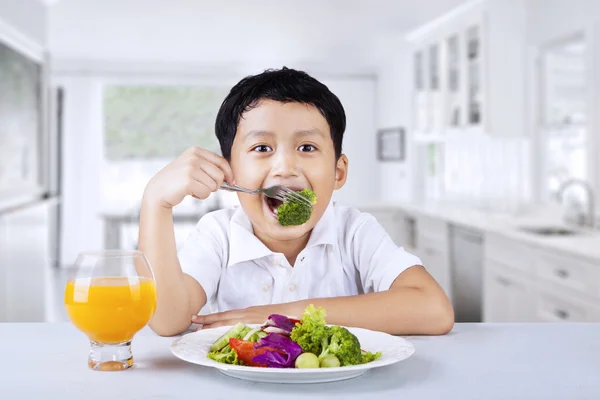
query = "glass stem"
{"x": 110, "y": 357}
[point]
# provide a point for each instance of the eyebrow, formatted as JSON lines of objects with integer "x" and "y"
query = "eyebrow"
{"x": 309, "y": 132}
{"x": 257, "y": 134}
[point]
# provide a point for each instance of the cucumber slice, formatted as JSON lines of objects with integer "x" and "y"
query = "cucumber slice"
{"x": 237, "y": 332}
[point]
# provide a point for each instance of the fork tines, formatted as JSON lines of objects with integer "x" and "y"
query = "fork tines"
{"x": 295, "y": 196}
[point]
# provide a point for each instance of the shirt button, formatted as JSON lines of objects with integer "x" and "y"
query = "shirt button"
{"x": 292, "y": 288}
{"x": 266, "y": 287}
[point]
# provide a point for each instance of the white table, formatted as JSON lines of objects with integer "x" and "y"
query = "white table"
{"x": 474, "y": 361}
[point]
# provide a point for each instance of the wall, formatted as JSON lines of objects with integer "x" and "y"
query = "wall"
{"x": 357, "y": 95}
{"x": 552, "y": 19}
{"x": 27, "y": 16}
{"x": 393, "y": 104}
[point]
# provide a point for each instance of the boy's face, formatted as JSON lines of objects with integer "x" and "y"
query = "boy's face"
{"x": 285, "y": 144}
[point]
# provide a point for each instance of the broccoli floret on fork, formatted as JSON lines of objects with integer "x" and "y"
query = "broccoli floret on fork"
{"x": 293, "y": 213}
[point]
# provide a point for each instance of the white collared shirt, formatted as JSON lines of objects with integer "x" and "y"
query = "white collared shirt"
{"x": 348, "y": 253}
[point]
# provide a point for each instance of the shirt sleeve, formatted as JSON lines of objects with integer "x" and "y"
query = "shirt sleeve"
{"x": 378, "y": 259}
{"x": 201, "y": 255}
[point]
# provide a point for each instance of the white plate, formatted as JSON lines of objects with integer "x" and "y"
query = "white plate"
{"x": 194, "y": 347}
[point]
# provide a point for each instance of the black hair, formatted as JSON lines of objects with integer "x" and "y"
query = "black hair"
{"x": 285, "y": 85}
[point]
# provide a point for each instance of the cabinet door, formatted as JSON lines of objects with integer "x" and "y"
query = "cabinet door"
{"x": 507, "y": 298}
{"x": 26, "y": 263}
{"x": 435, "y": 261}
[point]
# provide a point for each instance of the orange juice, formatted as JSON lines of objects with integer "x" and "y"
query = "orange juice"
{"x": 110, "y": 309}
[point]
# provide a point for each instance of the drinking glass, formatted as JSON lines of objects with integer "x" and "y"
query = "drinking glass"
{"x": 110, "y": 296}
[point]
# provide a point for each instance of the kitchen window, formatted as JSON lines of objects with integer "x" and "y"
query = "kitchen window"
{"x": 146, "y": 127}
{"x": 564, "y": 122}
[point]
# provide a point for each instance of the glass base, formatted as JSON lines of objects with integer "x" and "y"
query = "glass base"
{"x": 110, "y": 357}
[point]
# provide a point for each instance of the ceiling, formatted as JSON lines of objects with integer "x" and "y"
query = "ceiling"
{"x": 259, "y": 32}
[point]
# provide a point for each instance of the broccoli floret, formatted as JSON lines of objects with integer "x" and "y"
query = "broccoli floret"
{"x": 292, "y": 213}
{"x": 314, "y": 336}
{"x": 344, "y": 345}
{"x": 311, "y": 332}
{"x": 368, "y": 356}
{"x": 309, "y": 194}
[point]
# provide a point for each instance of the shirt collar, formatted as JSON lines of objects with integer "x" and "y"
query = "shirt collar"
{"x": 245, "y": 246}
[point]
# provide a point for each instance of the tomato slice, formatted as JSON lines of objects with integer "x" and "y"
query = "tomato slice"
{"x": 246, "y": 351}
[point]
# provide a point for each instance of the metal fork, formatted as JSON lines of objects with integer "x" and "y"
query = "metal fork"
{"x": 277, "y": 192}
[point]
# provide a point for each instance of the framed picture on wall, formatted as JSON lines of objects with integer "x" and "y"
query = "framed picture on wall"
{"x": 391, "y": 144}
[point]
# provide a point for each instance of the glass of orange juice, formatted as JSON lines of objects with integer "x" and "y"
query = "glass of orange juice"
{"x": 110, "y": 296}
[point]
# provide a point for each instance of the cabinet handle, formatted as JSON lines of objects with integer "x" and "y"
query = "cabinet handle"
{"x": 503, "y": 281}
{"x": 562, "y": 314}
{"x": 562, "y": 273}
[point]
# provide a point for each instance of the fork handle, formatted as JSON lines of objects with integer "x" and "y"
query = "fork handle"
{"x": 234, "y": 188}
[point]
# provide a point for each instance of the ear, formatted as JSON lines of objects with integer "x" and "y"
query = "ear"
{"x": 341, "y": 171}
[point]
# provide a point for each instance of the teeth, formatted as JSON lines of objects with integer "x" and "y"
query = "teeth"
{"x": 275, "y": 211}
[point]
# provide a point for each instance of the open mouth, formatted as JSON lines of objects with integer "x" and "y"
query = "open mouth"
{"x": 273, "y": 204}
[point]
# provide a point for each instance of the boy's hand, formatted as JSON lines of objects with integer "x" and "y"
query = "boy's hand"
{"x": 250, "y": 315}
{"x": 196, "y": 172}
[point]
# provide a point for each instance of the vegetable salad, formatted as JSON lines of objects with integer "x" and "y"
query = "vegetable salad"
{"x": 284, "y": 342}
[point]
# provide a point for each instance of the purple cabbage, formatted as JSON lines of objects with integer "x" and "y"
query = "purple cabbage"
{"x": 280, "y": 321}
{"x": 273, "y": 359}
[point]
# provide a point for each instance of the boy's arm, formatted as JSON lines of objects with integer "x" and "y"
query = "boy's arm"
{"x": 414, "y": 304}
{"x": 196, "y": 172}
{"x": 178, "y": 295}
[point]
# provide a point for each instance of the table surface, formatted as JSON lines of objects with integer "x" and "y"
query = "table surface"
{"x": 474, "y": 361}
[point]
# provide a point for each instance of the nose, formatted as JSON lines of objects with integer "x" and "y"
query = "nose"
{"x": 284, "y": 164}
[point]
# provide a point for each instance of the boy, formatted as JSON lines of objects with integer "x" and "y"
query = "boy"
{"x": 280, "y": 127}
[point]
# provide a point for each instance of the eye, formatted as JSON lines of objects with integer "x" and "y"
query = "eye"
{"x": 307, "y": 148}
{"x": 263, "y": 148}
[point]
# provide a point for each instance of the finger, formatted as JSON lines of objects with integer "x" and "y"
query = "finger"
{"x": 216, "y": 317}
{"x": 198, "y": 189}
{"x": 202, "y": 177}
{"x": 227, "y": 322}
{"x": 219, "y": 162}
{"x": 213, "y": 171}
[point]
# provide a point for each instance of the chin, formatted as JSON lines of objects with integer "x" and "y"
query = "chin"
{"x": 286, "y": 233}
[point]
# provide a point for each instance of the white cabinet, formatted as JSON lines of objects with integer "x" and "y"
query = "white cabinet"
{"x": 432, "y": 248}
{"x": 435, "y": 260}
{"x": 556, "y": 307}
{"x": 24, "y": 263}
{"x": 524, "y": 283}
{"x": 470, "y": 69}
{"x": 508, "y": 297}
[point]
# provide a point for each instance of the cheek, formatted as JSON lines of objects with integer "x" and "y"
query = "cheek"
{"x": 321, "y": 177}
{"x": 247, "y": 172}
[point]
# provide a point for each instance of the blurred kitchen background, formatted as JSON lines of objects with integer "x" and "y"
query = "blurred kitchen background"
{"x": 473, "y": 132}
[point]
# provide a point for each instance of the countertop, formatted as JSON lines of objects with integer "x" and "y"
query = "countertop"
{"x": 474, "y": 361}
{"x": 586, "y": 243}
